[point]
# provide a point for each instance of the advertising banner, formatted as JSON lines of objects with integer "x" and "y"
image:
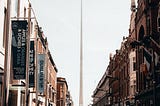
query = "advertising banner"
{"x": 32, "y": 65}
{"x": 19, "y": 33}
{"x": 41, "y": 72}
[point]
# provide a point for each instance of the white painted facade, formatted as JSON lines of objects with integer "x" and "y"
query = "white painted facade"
{"x": 132, "y": 73}
{"x": 2, "y": 7}
{"x": 13, "y": 16}
{"x": 23, "y": 14}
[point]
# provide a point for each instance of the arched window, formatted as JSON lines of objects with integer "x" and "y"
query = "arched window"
{"x": 141, "y": 33}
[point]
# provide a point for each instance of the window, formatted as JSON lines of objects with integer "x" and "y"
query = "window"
{"x": 158, "y": 24}
{"x": 148, "y": 25}
{"x": 134, "y": 59}
{"x": 50, "y": 92}
{"x": 0, "y": 89}
{"x": 24, "y": 12}
{"x": 31, "y": 27}
{"x": 61, "y": 91}
{"x": 158, "y": 20}
{"x": 53, "y": 97}
{"x": 22, "y": 101}
{"x": 1, "y": 84}
{"x": 132, "y": 90}
{"x": 4, "y": 26}
{"x": 134, "y": 66}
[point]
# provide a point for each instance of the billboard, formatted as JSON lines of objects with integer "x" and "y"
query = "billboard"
{"x": 31, "y": 72}
{"x": 19, "y": 33}
{"x": 41, "y": 72}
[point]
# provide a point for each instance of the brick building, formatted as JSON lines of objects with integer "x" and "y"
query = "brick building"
{"x": 119, "y": 69}
{"x": 63, "y": 94}
{"x": 147, "y": 52}
{"x": 117, "y": 86}
{"x": 62, "y": 90}
{"x": 134, "y": 69}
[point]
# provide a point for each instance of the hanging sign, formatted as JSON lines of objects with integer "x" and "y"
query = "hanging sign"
{"x": 41, "y": 72}
{"x": 32, "y": 65}
{"x": 19, "y": 33}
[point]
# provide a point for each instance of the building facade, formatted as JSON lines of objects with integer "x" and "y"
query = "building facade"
{"x": 63, "y": 95}
{"x": 101, "y": 93}
{"x": 20, "y": 92}
{"x": 134, "y": 69}
{"x": 147, "y": 52}
{"x": 132, "y": 56}
{"x": 117, "y": 87}
{"x": 3, "y": 6}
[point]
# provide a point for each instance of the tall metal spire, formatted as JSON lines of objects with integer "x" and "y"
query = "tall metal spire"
{"x": 81, "y": 61}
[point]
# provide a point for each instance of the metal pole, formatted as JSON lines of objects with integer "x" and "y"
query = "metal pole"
{"x": 81, "y": 62}
{"x": 46, "y": 61}
{"x": 7, "y": 55}
{"x": 18, "y": 9}
{"x": 36, "y": 79}
{"x": 27, "y": 57}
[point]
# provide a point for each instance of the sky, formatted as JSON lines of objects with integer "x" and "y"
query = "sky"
{"x": 105, "y": 22}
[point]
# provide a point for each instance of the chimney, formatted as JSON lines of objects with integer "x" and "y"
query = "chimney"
{"x": 133, "y": 5}
{"x": 110, "y": 56}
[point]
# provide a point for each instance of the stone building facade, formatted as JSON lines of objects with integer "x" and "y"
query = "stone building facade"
{"x": 147, "y": 52}
{"x": 101, "y": 93}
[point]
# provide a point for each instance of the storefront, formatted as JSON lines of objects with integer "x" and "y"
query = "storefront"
{"x": 146, "y": 98}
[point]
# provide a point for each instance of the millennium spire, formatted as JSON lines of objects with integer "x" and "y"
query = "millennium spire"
{"x": 81, "y": 62}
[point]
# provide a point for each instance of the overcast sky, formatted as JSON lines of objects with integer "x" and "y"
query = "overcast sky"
{"x": 105, "y": 22}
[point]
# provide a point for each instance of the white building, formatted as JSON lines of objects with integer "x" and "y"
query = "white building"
{"x": 16, "y": 89}
{"x": 3, "y": 20}
{"x": 16, "y": 8}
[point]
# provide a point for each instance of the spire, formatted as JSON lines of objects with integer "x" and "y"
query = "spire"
{"x": 133, "y": 5}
